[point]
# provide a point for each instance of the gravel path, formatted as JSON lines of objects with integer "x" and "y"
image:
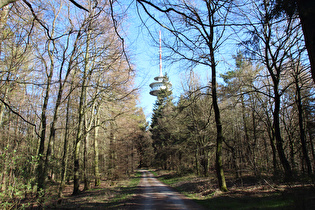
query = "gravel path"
{"x": 156, "y": 195}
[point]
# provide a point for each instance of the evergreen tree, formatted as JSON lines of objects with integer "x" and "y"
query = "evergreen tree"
{"x": 160, "y": 134}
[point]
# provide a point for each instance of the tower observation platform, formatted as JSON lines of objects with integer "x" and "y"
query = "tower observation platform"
{"x": 162, "y": 82}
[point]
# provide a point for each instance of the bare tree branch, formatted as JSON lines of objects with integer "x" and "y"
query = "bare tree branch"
{"x": 19, "y": 115}
{"x": 78, "y": 5}
{"x": 117, "y": 33}
{"x": 6, "y": 2}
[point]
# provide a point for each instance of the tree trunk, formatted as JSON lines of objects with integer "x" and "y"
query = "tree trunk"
{"x": 266, "y": 155}
{"x": 132, "y": 157}
{"x": 85, "y": 162}
{"x": 41, "y": 174}
{"x": 2, "y": 106}
{"x": 61, "y": 88}
{"x": 42, "y": 166}
{"x": 279, "y": 142}
{"x": 81, "y": 112}
{"x": 197, "y": 160}
{"x": 3, "y": 19}
{"x": 301, "y": 126}
{"x": 292, "y": 153}
{"x": 306, "y": 9}
{"x": 76, "y": 175}
{"x": 55, "y": 117}
{"x": 64, "y": 161}
{"x": 270, "y": 132}
{"x": 274, "y": 153}
{"x": 218, "y": 161}
{"x": 96, "y": 153}
{"x": 6, "y": 163}
{"x": 256, "y": 171}
{"x": 248, "y": 149}
{"x": 79, "y": 136}
{"x": 312, "y": 146}
{"x": 112, "y": 152}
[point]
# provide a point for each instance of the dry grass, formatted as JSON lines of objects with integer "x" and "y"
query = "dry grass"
{"x": 248, "y": 192}
{"x": 109, "y": 194}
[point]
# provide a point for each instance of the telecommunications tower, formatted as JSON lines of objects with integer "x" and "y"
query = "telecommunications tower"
{"x": 161, "y": 81}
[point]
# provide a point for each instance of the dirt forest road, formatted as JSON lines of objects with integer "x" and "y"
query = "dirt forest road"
{"x": 156, "y": 195}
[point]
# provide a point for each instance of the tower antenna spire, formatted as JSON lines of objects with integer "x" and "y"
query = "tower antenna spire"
{"x": 161, "y": 74}
{"x": 161, "y": 82}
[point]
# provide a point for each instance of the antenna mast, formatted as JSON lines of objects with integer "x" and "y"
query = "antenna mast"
{"x": 161, "y": 83}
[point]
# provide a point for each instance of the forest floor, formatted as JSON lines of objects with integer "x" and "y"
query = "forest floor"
{"x": 248, "y": 192}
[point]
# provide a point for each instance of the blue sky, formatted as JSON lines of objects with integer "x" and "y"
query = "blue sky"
{"x": 145, "y": 55}
{"x": 146, "y": 60}
{"x": 144, "y": 51}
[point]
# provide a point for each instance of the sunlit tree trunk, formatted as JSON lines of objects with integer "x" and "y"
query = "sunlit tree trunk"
{"x": 2, "y": 106}
{"x": 3, "y": 18}
{"x": 6, "y": 162}
{"x": 41, "y": 174}
{"x": 62, "y": 83}
{"x": 247, "y": 142}
{"x": 255, "y": 142}
{"x": 80, "y": 126}
{"x": 112, "y": 152}
{"x": 81, "y": 129}
{"x": 79, "y": 136}
{"x": 96, "y": 151}
{"x": 85, "y": 162}
{"x": 64, "y": 161}
{"x": 43, "y": 162}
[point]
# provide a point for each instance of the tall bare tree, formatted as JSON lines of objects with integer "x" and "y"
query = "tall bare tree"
{"x": 206, "y": 23}
{"x": 271, "y": 41}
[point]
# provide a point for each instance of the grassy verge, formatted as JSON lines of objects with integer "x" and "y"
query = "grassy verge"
{"x": 251, "y": 195}
{"x": 109, "y": 195}
{"x": 126, "y": 189}
{"x": 271, "y": 201}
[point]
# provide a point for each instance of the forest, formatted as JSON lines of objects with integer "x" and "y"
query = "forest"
{"x": 69, "y": 103}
